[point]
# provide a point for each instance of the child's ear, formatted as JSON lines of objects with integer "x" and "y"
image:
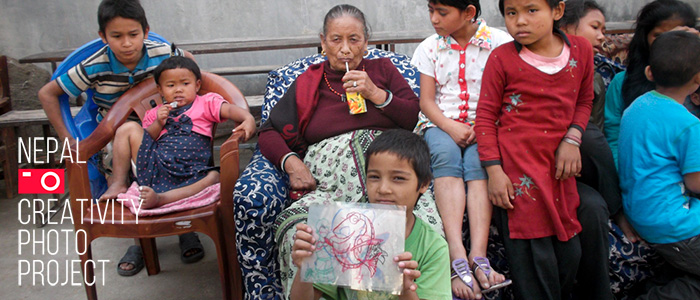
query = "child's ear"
{"x": 145, "y": 32}
{"x": 647, "y": 72}
{"x": 696, "y": 78}
{"x": 102, "y": 36}
{"x": 470, "y": 12}
{"x": 198, "y": 85}
{"x": 559, "y": 10}
{"x": 424, "y": 188}
{"x": 695, "y": 98}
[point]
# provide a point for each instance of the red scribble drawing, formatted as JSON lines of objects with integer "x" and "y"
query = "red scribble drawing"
{"x": 352, "y": 242}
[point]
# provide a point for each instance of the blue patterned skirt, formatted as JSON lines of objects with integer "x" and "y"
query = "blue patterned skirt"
{"x": 178, "y": 158}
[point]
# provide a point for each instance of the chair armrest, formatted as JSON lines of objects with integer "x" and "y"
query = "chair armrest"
{"x": 117, "y": 115}
{"x": 230, "y": 166}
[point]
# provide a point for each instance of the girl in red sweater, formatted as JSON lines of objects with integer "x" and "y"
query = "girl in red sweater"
{"x": 535, "y": 103}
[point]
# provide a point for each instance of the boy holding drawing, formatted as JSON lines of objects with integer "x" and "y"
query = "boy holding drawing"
{"x": 398, "y": 172}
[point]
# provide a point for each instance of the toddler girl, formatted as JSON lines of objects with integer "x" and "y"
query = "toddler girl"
{"x": 173, "y": 158}
{"x": 172, "y": 151}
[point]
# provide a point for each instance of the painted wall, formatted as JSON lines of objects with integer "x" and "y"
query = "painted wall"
{"x": 33, "y": 26}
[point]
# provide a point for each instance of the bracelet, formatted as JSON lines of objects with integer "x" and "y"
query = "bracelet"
{"x": 573, "y": 137}
{"x": 572, "y": 142}
{"x": 285, "y": 157}
{"x": 389, "y": 97}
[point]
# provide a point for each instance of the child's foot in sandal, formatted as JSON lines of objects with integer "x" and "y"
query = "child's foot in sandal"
{"x": 191, "y": 249}
{"x": 487, "y": 277}
{"x": 132, "y": 262}
{"x": 463, "y": 286}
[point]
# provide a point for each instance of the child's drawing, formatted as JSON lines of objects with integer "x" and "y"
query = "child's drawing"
{"x": 355, "y": 246}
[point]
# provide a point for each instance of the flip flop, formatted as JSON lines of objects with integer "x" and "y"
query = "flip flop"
{"x": 484, "y": 265}
{"x": 188, "y": 242}
{"x": 134, "y": 257}
{"x": 460, "y": 269}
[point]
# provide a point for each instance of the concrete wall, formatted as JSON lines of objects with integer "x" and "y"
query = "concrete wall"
{"x": 33, "y": 26}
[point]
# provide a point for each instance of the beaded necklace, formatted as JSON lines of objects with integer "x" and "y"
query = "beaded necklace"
{"x": 342, "y": 96}
{"x": 328, "y": 84}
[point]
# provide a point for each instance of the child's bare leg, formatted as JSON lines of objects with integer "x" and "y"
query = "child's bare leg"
{"x": 479, "y": 210}
{"x": 450, "y": 200}
{"x": 153, "y": 199}
{"x": 127, "y": 141}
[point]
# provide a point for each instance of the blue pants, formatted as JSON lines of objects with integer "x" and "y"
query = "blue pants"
{"x": 448, "y": 159}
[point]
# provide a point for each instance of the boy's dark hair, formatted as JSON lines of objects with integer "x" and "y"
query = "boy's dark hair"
{"x": 406, "y": 145}
{"x": 128, "y": 9}
{"x": 635, "y": 83}
{"x": 460, "y": 4}
{"x": 552, "y": 4}
{"x": 675, "y": 58}
{"x": 577, "y": 9}
{"x": 177, "y": 62}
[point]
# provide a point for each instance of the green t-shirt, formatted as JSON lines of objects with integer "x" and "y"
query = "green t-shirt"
{"x": 430, "y": 250}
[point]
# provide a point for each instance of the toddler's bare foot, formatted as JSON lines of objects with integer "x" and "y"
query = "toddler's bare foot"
{"x": 113, "y": 191}
{"x": 149, "y": 197}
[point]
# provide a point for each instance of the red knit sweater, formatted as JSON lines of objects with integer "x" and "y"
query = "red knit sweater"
{"x": 331, "y": 117}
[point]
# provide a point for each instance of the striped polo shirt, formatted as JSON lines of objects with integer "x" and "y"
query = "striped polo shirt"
{"x": 109, "y": 77}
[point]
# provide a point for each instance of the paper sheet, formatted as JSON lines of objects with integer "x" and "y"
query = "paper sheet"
{"x": 356, "y": 245}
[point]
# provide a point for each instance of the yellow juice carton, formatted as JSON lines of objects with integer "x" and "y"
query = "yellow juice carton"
{"x": 356, "y": 103}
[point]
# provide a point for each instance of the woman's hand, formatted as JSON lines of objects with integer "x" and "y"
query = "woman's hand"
{"x": 461, "y": 133}
{"x": 500, "y": 187}
{"x": 568, "y": 161}
{"x": 303, "y": 244}
{"x": 410, "y": 274}
{"x": 359, "y": 82}
{"x": 247, "y": 126}
{"x": 300, "y": 177}
{"x": 162, "y": 114}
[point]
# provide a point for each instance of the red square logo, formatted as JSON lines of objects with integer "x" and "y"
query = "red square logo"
{"x": 40, "y": 181}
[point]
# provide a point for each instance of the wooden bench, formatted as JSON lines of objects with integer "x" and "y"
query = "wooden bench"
{"x": 385, "y": 40}
{"x": 10, "y": 122}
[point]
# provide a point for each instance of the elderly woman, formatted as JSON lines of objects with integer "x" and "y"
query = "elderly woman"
{"x": 312, "y": 137}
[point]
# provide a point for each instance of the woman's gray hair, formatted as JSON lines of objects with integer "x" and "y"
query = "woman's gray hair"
{"x": 342, "y": 10}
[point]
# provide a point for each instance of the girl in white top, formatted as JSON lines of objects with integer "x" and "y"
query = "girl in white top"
{"x": 451, "y": 63}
